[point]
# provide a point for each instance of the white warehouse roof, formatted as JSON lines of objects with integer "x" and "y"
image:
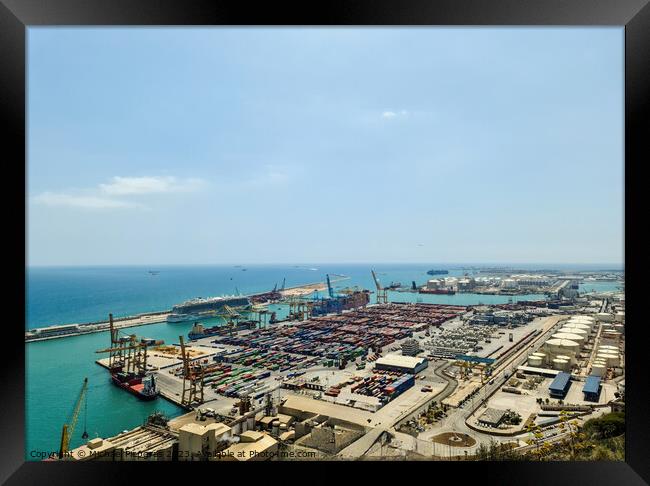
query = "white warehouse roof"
{"x": 401, "y": 361}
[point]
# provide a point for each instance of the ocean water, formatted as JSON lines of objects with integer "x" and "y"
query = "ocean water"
{"x": 55, "y": 369}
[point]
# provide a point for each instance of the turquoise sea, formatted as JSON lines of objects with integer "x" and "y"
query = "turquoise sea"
{"x": 55, "y": 369}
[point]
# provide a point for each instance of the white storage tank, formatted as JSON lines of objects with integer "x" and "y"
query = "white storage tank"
{"x": 577, "y": 325}
{"x": 604, "y": 348}
{"x": 578, "y": 338}
{"x": 599, "y": 369}
{"x": 588, "y": 324}
{"x": 610, "y": 359}
{"x": 562, "y": 346}
{"x": 619, "y": 317}
{"x": 605, "y": 317}
{"x": 570, "y": 359}
{"x": 614, "y": 335}
{"x": 560, "y": 364}
{"x": 573, "y": 330}
{"x": 535, "y": 361}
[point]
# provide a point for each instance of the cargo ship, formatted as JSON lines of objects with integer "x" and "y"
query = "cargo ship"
{"x": 437, "y": 272}
{"x": 191, "y": 309}
{"x": 198, "y": 331}
{"x": 143, "y": 387}
{"x": 437, "y": 291}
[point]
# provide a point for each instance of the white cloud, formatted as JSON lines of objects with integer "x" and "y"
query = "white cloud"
{"x": 393, "y": 114}
{"x": 80, "y": 201}
{"x": 120, "y": 186}
{"x": 107, "y": 196}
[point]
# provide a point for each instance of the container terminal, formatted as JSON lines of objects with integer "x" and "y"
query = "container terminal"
{"x": 347, "y": 376}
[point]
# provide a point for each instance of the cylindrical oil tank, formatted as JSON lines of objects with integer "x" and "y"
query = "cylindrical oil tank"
{"x": 604, "y": 348}
{"x": 535, "y": 361}
{"x": 598, "y": 369}
{"x": 610, "y": 359}
{"x": 578, "y": 338}
{"x": 605, "y": 317}
{"x": 562, "y": 346}
{"x": 561, "y": 364}
{"x": 586, "y": 324}
{"x": 614, "y": 335}
{"x": 581, "y": 321}
{"x": 577, "y": 325}
{"x": 619, "y": 317}
{"x": 570, "y": 359}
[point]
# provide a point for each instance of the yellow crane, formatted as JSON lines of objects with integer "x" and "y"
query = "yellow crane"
{"x": 68, "y": 430}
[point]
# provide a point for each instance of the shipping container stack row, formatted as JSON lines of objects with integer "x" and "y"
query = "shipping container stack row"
{"x": 264, "y": 358}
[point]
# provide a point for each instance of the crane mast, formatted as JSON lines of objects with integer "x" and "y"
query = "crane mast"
{"x": 382, "y": 293}
{"x": 68, "y": 430}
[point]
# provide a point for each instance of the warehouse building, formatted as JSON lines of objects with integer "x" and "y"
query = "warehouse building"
{"x": 491, "y": 417}
{"x": 560, "y": 385}
{"x": 592, "y": 389}
{"x": 403, "y": 364}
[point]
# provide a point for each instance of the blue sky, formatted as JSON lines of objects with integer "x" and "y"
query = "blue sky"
{"x": 211, "y": 145}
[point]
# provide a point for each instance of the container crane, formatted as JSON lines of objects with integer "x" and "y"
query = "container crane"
{"x": 68, "y": 429}
{"x": 192, "y": 379}
{"x": 382, "y": 293}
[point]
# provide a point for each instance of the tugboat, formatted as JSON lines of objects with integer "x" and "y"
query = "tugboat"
{"x": 143, "y": 387}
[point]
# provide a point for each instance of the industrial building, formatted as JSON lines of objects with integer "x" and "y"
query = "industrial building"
{"x": 403, "y": 364}
{"x": 560, "y": 385}
{"x": 491, "y": 417}
{"x": 592, "y": 389}
{"x": 252, "y": 446}
{"x": 410, "y": 347}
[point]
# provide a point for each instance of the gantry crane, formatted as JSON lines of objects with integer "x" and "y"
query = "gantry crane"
{"x": 125, "y": 353}
{"x": 192, "y": 379}
{"x": 382, "y": 293}
{"x": 299, "y": 308}
{"x": 135, "y": 358}
{"x": 68, "y": 429}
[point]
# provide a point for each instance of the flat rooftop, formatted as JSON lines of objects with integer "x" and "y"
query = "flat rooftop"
{"x": 401, "y": 361}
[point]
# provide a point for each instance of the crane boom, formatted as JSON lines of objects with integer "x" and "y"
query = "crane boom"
{"x": 329, "y": 287}
{"x": 68, "y": 430}
{"x": 109, "y": 350}
{"x": 186, "y": 368}
{"x": 374, "y": 276}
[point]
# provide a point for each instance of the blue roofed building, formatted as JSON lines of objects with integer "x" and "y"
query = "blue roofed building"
{"x": 592, "y": 388}
{"x": 560, "y": 385}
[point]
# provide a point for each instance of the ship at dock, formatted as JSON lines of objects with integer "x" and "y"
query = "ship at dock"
{"x": 142, "y": 386}
{"x": 192, "y": 309}
{"x": 127, "y": 363}
{"x": 437, "y": 291}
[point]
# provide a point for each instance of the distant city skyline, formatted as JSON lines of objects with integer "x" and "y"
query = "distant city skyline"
{"x": 158, "y": 146}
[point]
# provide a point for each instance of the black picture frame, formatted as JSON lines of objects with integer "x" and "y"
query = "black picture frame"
{"x": 17, "y": 15}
